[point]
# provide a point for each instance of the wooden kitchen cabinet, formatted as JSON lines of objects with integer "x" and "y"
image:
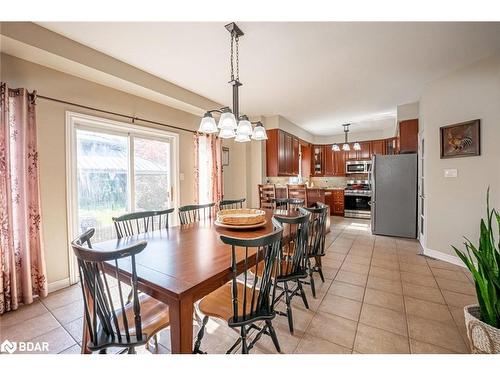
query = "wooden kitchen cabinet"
{"x": 318, "y": 168}
{"x": 339, "y": 163}
{"x": 408, "y": 136}
{"x": 282, "y": 154}
{"x": 305, "y": 151}
{"x": 328, "y": 155}
{"x": 295, "y": 156}
{"x": 337, "y": 207}
{"x": 366, "y": 151}
{"x": 378, "y": 147}
{"x": 333, "y": 162}
{"x": 391, "y": 146}
{"x": 352, "y": 154}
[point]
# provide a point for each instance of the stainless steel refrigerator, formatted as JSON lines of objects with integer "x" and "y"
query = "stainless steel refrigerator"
{"x": 394, "y": 195}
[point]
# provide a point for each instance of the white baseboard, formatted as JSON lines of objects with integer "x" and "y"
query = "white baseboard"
{"x": 444, "y": 257}
{"x": 59, "y": 284}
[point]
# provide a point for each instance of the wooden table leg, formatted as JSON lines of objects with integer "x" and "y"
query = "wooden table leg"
{"x": 181, "y": 326}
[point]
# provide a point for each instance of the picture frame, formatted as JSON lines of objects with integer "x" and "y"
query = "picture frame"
{"x": 460, "y": 140}
{"x": 225, "y": 156}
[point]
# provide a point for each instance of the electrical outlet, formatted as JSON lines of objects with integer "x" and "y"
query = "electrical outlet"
{"x": 450, "y": 173}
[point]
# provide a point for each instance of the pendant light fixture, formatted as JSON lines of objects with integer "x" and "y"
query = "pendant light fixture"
{"x": 231, "y": 124}
{"x": 345, "y": 146}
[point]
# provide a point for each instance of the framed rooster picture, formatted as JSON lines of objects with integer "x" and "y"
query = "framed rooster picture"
{"x": 460, "y": 140}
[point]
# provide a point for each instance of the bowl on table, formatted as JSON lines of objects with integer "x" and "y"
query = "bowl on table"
{"x": 241, "y": 218}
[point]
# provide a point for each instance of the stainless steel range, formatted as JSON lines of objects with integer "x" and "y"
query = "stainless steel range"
{"x": 357, "y": 199}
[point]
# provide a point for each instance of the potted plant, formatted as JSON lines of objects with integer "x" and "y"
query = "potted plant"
{"x": 483, "y": 320}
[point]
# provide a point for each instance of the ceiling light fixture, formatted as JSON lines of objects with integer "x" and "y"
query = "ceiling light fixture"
{"x": 231, "y": 124}
{"x": 345, "y": 146}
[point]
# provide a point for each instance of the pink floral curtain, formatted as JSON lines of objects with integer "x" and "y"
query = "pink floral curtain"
{"x": 208, "y": 168}
{"x": 22, "y": 263}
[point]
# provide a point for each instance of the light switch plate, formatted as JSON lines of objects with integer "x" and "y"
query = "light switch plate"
{"x": 181, "y": 176}
{"x": 450, "y": 173}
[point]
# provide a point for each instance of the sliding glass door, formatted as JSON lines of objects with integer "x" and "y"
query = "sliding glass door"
{"x": 102, "y": 180}
{"x": 152, "y": 174}
{"x": 115, "y": 168}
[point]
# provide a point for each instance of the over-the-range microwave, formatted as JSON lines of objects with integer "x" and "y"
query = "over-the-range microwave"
{"x": 358, "y": 166}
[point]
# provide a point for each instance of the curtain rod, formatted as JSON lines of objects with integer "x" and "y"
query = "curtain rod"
{"x": 132, "y": 118}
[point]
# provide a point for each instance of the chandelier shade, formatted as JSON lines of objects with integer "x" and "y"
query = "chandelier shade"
{"x": 244, "y": 127}
{"x": 259, "y": 132}
{"x": 242, "y": 138}
{"x": 207, "y": 124}
{"x": 227, "y": 121}
{"x": 335, "y": 147}
{"x": 227, "y": 133}
{"x": 346, "y": 147}
{"x": 356, "y": 146}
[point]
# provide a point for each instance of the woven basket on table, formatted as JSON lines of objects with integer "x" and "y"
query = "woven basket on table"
{"x": 483, "y": 338}
{"x": 241, "y": 216}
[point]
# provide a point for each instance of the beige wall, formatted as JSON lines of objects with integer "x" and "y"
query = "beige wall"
{"x": 456, "y": 205}
{"x": 407, "y": 111}
{"x": 235, "y": 174}
{"x": 51, "y": 142}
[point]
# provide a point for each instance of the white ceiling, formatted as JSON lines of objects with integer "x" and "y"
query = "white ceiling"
{"x": 317, "y": 75}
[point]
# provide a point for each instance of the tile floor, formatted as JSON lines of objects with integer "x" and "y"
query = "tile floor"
{"x": 379, "y": 296}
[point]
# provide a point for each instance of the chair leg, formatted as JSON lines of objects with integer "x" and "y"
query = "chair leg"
{"x": 302, "y": 294}
{"x": 272, "y": 333}
{"x": 131, "y": 350}
{"x": 320, "y": 269}
{"x": 244, "y": 346}
{"x": 199, "y": 337}
{"x": 288, "y": 301}
{"x": 311, "y": 281}
{"x": 155, "y": 338}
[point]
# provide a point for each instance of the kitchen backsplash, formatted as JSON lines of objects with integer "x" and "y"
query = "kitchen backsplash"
{"x": 315, "y": 181}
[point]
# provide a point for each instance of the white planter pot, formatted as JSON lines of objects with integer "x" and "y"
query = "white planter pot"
{"x": 483, "y": 338}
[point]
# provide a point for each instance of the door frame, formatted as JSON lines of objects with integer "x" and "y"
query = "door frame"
{"x": 421, "y": 197}
{"x": 76, "y": 121}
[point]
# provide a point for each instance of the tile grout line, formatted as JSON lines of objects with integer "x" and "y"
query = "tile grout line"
{"x": 316, "y": 312}
{"x": 448, "y": 307}
{"x": 58, "y": 321}
{"x": 364, "y": 293}
{"x": 404, "y": 302}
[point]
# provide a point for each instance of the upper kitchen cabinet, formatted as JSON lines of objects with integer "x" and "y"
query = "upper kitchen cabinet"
{"x": 408, "y": 136}
{"x": 305, "y": 159}
{"x": 366, "y": 150}
{"x": 317, "y": 159}
{"x": 363, "y": 154}
{"x": 391, "y": 146}
{"x": 379, "y": 147}
{"x": 282, "y": 153}
{"x": 334, "y": 162}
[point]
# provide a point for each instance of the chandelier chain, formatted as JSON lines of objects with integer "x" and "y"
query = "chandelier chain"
{"x": 232, "y": 57}
{"x": 237, "y": 57}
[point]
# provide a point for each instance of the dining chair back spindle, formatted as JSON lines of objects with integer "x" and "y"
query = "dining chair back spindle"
{"x": 108, "y": 327}
{"x": 288, "y": 204}
{"x": 316, "y": 243}
{"x": 292, "y": 263}
{"x": 196, "y": 212}
{"x": 267, "y": 193}
{"x": 229, "y": 204}
{"x": 141, "y": 222}
{"x": 297, "y": 191}
{"x": 248, "y": 298}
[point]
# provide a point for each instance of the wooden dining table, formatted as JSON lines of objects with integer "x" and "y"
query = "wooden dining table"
{"x": 181, "y": 265}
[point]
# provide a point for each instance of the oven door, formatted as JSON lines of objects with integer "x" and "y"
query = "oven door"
{"x": 357, "y": 206}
